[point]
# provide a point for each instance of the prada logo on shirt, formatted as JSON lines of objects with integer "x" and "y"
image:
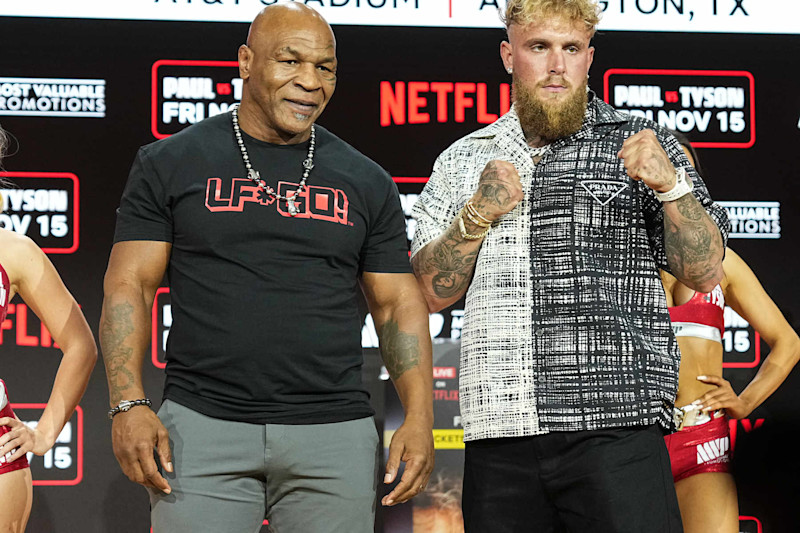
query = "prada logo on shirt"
{"x": 318, "y": 203}
{"x": 603, "y": 190}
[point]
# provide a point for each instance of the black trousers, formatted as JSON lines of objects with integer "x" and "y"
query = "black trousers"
{"x": 614, "y": 480}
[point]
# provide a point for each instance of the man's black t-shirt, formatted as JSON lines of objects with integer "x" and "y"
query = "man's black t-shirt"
{"x": 265, "y": 326}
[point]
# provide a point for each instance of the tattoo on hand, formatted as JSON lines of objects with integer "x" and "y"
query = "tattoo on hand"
{"x": 450, "y": 266}
{"x": 116, "y": 328}
{"x": 400, "y": 350}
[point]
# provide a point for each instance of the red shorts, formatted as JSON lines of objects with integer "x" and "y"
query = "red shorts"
{"x": 6, "y": 410}
{"x": 699, "y": 449}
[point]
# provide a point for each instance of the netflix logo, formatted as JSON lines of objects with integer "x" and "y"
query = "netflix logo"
{"x": 25, "y": 328}
{"x": 422, "y": 102}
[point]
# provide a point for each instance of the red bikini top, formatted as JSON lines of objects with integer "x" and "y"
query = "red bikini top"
{"x": 707, "y": 309}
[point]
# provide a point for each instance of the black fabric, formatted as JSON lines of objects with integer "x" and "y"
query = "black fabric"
{"x": 265, "y": 327}
{"x": 605, "y": 480}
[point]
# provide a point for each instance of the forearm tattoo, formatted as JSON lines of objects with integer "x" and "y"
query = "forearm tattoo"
{"x": 692, "y": 242}
{"x": 400, "y": 350}
{"x": 450, "y": 261}
{"x": 116, "y": 328}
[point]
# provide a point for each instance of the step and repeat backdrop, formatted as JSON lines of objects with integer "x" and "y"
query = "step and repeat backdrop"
{"x": 83, "y": 84}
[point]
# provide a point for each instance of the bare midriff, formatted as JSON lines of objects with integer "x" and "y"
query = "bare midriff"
{"x": 699, "y": 357}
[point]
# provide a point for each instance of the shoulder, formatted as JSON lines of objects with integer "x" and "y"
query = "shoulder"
{"x": 18, "y": 253}
{"x": 331, "y": 149}
{"x": 208, "y": 132}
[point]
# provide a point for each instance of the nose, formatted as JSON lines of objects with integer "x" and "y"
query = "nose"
{"x": 307, "y": 77}
{"x": 556, "y": 63}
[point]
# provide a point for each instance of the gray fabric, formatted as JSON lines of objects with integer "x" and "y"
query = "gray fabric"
{"x": 314, "y": 478}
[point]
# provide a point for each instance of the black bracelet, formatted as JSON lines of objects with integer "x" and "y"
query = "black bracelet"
{"x": 125, "y": 405}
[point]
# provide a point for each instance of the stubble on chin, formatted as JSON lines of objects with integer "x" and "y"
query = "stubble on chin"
{"x": 549, "y": 119}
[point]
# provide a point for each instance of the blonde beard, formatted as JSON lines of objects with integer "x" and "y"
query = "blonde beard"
{"x": 549, "y": 119}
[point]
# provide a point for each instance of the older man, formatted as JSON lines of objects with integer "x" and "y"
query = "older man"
{"x": 554, "y": 222}
{"x": 266, "y": 224}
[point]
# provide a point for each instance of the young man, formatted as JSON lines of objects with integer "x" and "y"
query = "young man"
{"x": 266, "y": 225}
{"x": 554, "y": 222}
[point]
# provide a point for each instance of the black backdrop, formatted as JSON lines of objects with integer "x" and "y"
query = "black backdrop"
{"x": 81, "y": 487}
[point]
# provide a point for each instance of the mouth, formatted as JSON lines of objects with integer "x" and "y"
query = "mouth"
{"x": 302, "y": 109}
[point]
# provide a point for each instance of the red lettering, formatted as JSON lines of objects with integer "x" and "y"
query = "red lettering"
{"x": 447, "y": 395}
{"x": 393, "y": 104}
{"x": 505, "y": 98}
{"x": 415, "y": 101}
{"x": 224, "y": 88}
{"x": 462, "y": 102}
{"x": 7, "y": 322}
{"x": 483, "y": 116}
{"x": 671, "y": 96}
{"x": 442, "y": 89}
{"x": 23, "y": 339}
{"x": 749, "y": 425}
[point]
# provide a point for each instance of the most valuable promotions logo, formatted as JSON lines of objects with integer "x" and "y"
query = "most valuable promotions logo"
{"x": 754, "y": 220}
{"x": 52, "y": 97}
{"x": 714, "y": 108}
{"x": 185, "y": 92}
{"x": 45, "y": 207}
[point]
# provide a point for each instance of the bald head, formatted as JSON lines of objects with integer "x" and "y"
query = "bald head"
{"x": 282, "y": 16}
{"x": 288, "y": 69}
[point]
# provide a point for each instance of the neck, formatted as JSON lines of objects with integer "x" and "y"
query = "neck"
{"x": 537, "y": 141}
{"x": 253, "y": 123}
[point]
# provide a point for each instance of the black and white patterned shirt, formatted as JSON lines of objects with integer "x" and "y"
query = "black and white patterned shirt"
{"x": 566, "y": 325}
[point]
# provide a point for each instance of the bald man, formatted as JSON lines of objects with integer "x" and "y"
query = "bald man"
{"x": 267, "y": 225}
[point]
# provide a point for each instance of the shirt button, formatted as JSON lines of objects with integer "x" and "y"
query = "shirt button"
{"x": 541, "y": 379}
{"x": 537, "y": 194}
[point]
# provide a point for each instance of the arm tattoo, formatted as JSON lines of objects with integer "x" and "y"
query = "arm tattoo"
{"x": 117, "y": 327}
{"x": 400, "y": 350}
{"x": 450, "y": 266}
{"x": 690, "y": 243}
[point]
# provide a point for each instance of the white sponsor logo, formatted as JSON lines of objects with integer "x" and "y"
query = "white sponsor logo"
{"x": 711, "y": 450}
{"x": 603, "y": 190}
{"x": 52, "y": 97}
{"x": 754, "y": 220}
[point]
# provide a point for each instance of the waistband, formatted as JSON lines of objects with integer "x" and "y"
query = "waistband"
{"x": 692, "y": 329}
{"x": 691, "y": 415}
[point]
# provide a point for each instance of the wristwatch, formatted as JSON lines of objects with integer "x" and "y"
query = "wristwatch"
{"x": 125, "y": 405}
{"x": 683, "y": 186}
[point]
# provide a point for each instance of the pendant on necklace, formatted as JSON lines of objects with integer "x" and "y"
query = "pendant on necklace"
{"x": 292, "y": 207}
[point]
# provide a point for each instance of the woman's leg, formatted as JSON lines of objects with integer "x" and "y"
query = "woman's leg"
{"x": 708, "y": 503}
{"x": 16, "y": 493}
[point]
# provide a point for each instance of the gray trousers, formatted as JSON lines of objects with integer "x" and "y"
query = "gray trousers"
{"x": 313, "y": 478}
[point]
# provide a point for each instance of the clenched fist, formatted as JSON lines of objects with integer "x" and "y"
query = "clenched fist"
{"x": 499, "y": 190}
{"x": 645, "y": 159}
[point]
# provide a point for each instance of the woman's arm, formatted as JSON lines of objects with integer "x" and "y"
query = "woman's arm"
{"x": 744, "y": 293}
{"x": 33, "y": 276}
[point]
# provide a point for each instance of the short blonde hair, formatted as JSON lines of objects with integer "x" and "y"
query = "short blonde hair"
{"x": 524, "y": 12}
